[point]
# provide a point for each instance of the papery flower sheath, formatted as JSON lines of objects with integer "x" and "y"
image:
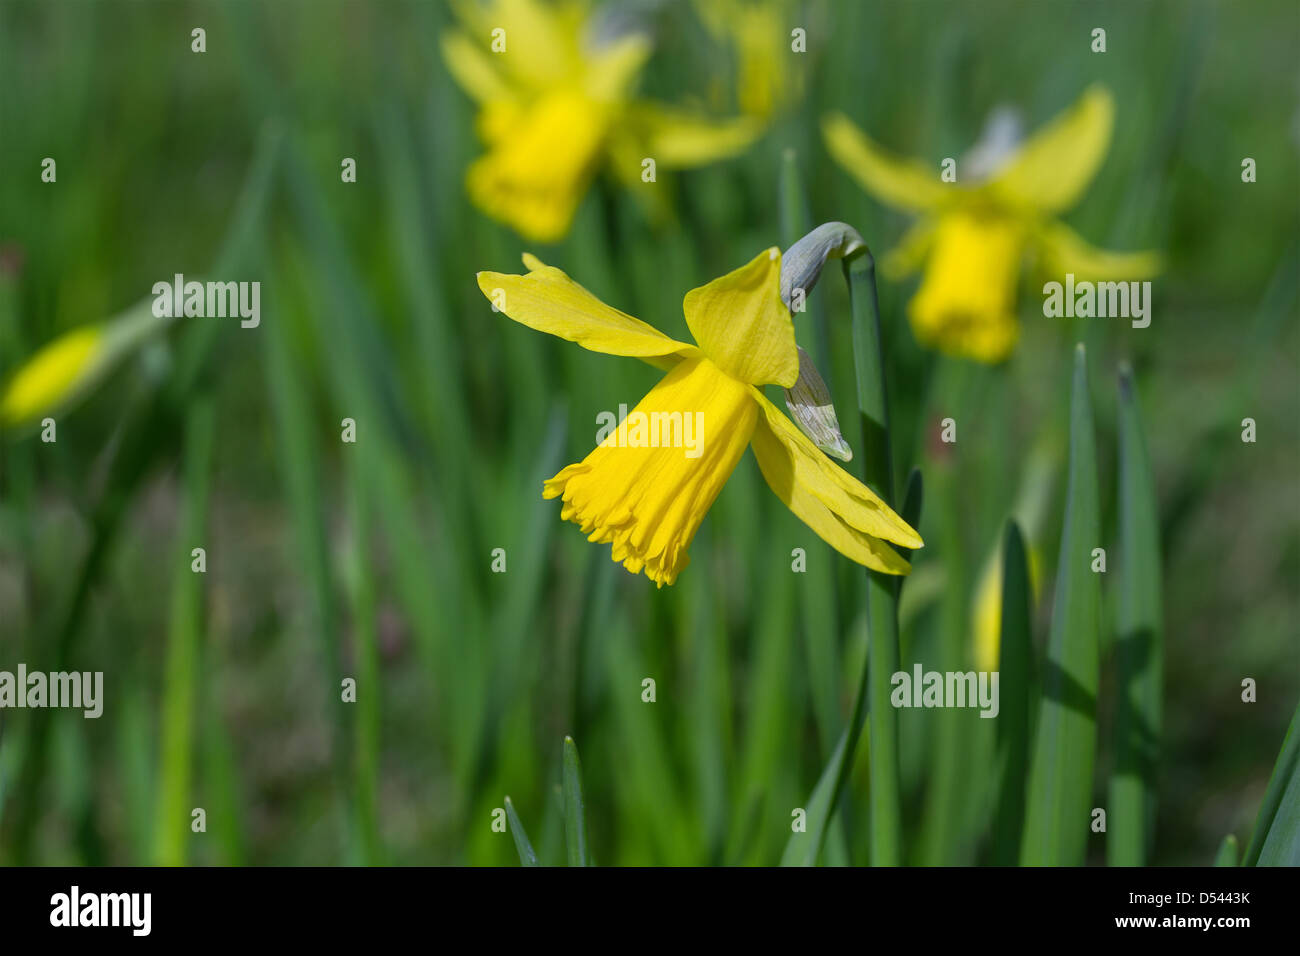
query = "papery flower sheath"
{"x": 975, "y": 233}
{"x": 648, "y": 501}
{"x": 556, "y": 93}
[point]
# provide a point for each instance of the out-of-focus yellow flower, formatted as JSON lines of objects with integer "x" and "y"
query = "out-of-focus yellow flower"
{"x": 53, "y": 375}
{"x": 973, "y": 236}
{"x": 988, "y": 605}
{"x": 1030, "y": 510}
{"x": 647, "y": 497}
{"x": 556, "y": 103}
{"x": 759, "y": 33}
{"x": 69, "y": 366}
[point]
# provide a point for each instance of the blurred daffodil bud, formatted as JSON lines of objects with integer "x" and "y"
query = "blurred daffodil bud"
{"x": 68, "y": 367}
{"x": 811, "y": 409}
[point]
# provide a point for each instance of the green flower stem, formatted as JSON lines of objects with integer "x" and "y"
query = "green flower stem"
{"x": 882, "y": 589}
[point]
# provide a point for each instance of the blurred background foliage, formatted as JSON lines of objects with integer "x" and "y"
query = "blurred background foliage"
{"x": 329, "y": 560}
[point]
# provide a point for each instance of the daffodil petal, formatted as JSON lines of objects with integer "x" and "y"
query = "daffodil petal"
{"x": 1065, "y": 251}
{"x": 612, "y": 71}
{"x": 541, "y": 39}
{"x": 781, "y": 470}
{"x": 1055, "y": 165}
{"x": 741, "y": 323}
{"x": 904, "y": 183}
{"x": 798, "y": 472}
{"x": 911, "y": 251}
{"x": 677, "y": 137}
{"x": 472, "y": 67}
{"x": 986, "y": 615}
{"x": 548, "y": 300}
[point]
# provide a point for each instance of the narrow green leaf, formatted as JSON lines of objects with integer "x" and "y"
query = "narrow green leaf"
{"x": 1276, "y": 840}
{"x": 1139, "y": 645}
{"x": 802, "y": 848}
{"x": 913, "y": 497}
{"x": 575, "y": 823}
{"x": 1015, "y": 695}
{"x": 185, "y": 632}
{"x": 527, "y": 857}
{"x": 1060, "y": 790}
{"x": 1228, "y": 852}
{"x": 795, "y": 220}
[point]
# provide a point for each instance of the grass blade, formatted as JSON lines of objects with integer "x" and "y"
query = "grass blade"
{"x": 527, "y": 856}
{"x": 1060, "y": 787}
{"x": 1276, "y": 840}
{"x": 802, "y": 848}
{"x": 1139, "y": 645}
{"x": 183, "y": 638}
{"x": 1228, "y": 852}
{"x": 575, "y": 822}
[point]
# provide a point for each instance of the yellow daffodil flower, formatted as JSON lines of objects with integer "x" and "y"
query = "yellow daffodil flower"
{"x": 556, "y": 102}
{"x": 648, "y": 501}
{"x": 974, "y": 236}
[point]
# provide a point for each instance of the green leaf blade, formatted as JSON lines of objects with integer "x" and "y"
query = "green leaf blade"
{"x": 1228, "y": 852}
{"x": 527, "y": 855}
{"x": 1139, "y": 645}
{"x": 575, "y": 823}
{"x": 1058, "y": 820}
{"x": 1276, "y": 840}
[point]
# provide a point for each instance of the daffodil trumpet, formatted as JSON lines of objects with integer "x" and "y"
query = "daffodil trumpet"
{"x": 647, "y": 502}
{"x": 977, "y": 228}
